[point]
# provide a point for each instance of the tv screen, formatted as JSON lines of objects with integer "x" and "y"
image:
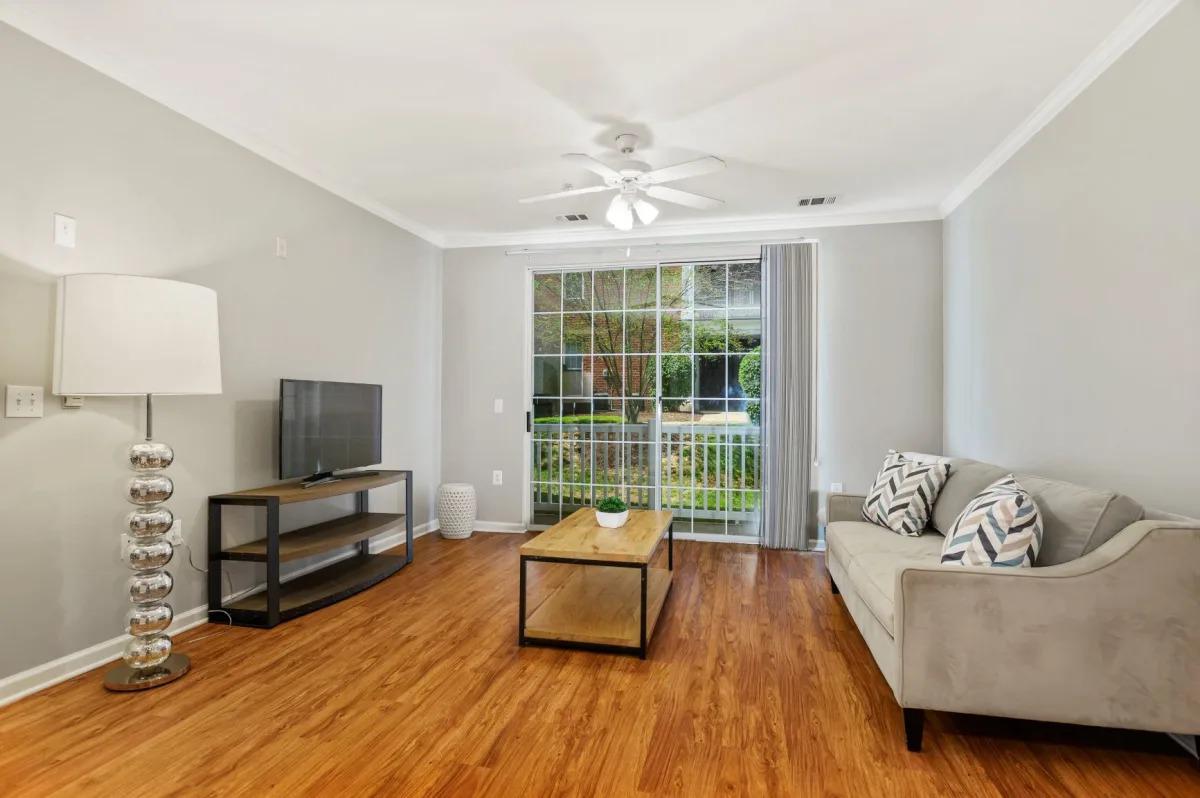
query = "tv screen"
{"x": 328, "y": 426}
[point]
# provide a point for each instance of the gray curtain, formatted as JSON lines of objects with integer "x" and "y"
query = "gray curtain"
{"x": 789, "y": 351}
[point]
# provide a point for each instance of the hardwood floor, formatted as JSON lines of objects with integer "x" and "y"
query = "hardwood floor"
{"x": 757, "y": 683}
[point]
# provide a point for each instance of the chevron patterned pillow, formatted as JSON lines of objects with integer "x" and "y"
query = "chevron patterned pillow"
{"x": 999, "y": 528}
{"x": 903, "y": 494}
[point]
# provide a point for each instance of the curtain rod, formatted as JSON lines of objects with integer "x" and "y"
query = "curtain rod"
{"x": 757, "y": 242}
{"x": 607, "y": 264}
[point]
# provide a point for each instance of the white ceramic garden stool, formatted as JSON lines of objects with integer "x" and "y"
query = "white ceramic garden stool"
{"x": 456, "y": 510}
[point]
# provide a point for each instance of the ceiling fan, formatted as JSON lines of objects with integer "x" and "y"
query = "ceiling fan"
{"x": 631, "y": 178}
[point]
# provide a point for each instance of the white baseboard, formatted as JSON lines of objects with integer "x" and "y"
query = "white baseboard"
{"x": 499, "y": 526}
{"x": 48, "y": 674}
{"x": 394, "y": 539}
{"x": 712, "y": 537}
{"x": 39, "y": 677}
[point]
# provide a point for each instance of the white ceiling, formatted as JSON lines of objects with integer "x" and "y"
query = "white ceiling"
{"x": 440, "y": 115}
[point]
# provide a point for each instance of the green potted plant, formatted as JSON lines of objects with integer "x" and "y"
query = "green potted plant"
{"x": 611, "y": 512}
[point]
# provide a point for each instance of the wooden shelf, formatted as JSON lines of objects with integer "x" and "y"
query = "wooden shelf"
{"x": 281, "y": 601}
{"x": 317, "y": 538}
{"x": 291, "y": 492}
{"x": 601, "y": 606}
{"x": 318, "y": 589}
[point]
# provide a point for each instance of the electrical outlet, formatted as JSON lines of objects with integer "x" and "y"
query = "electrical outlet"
{"x": 23, "y": 401}
{"x": 72, "y": 402}
{"x": 836, "y": 487}
{"x": 497, "y": 477}
{"x": 64, "y": 231}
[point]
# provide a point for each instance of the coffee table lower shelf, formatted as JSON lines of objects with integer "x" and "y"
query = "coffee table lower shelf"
{"x": 599, "y": 607}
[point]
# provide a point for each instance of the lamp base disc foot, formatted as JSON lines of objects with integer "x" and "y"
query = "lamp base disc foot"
{"x": 124, "y": 678}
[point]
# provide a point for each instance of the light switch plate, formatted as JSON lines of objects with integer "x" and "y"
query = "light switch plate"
{"x": 23, "y": 401}
{"x": 497, "y": 477}
{"x": 497, "y": 405}
{"x": 64, "y": 231}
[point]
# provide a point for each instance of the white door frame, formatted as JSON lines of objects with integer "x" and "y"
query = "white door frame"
{"x": 527, "y": 380}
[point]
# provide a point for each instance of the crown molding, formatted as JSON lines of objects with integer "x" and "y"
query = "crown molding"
{"x": 659, "y": 232}
{"x": 110, "y": 66}
{"x": 1126, "y": 34}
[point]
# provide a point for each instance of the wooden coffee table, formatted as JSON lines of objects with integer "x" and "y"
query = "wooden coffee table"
{"x": 613, "y": 596}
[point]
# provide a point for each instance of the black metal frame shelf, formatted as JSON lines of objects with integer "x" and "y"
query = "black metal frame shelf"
{"x": 281, "y": 601}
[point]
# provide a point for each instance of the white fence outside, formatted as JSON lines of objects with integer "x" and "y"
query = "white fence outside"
{"x": 706, "y": 471}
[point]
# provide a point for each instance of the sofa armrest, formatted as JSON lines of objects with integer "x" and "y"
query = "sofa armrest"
{"x": 1109, "y": 639}
{"x": 843, "y": 507}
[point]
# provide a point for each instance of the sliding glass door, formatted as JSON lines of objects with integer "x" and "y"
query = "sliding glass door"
{"x": 645, "y": 385}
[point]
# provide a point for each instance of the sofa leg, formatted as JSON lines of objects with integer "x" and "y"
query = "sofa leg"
{"x": 833, "y": 585}
{"x": 914, "y": 728}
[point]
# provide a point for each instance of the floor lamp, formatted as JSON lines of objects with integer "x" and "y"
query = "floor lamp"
{"x": 118, "y": 335}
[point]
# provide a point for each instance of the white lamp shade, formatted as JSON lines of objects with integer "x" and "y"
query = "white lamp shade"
{"x": 116, "y": 334}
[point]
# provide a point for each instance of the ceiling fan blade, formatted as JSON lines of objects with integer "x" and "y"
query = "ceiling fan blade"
{"x": 592, "y": 165}
{"x": 569, "y": 193}
{"x": 686, "y": 198}
{"x": 700, "y": 166}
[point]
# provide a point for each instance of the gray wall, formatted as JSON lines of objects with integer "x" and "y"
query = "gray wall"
{"x": 357, "y": 299}
{"x": 879, "y": 356}
{"x": 879, "y": 359}
{"x": 1072, "y": 287}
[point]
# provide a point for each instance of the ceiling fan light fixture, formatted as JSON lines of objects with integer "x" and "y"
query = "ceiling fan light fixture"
{"x": 619, "y": 214}
{"x": 633, "y": 177}
{"x": 645, "y": 211}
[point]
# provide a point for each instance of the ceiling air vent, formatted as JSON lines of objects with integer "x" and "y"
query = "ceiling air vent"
{"x": 572, "y": 217}
{"x": 808, "y": 202}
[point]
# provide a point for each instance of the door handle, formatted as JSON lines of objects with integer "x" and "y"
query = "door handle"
{"x": 528, "y": 421}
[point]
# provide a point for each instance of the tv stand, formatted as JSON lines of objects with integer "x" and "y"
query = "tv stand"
{"x": 281, "y": 601}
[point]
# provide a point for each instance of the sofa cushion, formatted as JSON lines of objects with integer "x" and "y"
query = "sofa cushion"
{"x": 903, "y": 494}
{"x": 968, "y": 478}
{"x": 871, "y": 555}
{"x": 1077, "y": 519}
{"x": 999, "y": 528}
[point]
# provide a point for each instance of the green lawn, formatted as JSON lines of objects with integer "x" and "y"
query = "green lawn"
{"x": 584, "y": 419}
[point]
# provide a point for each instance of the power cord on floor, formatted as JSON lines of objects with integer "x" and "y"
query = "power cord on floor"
{"x": 228, "y": 582}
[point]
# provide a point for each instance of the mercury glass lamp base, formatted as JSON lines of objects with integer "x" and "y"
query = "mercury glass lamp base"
{"x": 124, "y": 678}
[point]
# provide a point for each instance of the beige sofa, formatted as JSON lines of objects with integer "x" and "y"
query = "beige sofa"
{"x": 1103, "y": 631}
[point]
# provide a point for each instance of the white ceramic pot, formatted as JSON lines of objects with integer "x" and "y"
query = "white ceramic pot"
{"x": 612, "y": 520}
{"x": 456, "y": 510}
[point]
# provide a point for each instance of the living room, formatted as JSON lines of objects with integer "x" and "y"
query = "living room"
{"x": 359, "y": 358}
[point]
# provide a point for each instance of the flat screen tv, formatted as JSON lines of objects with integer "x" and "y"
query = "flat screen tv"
{"x": 328, "y": 426}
